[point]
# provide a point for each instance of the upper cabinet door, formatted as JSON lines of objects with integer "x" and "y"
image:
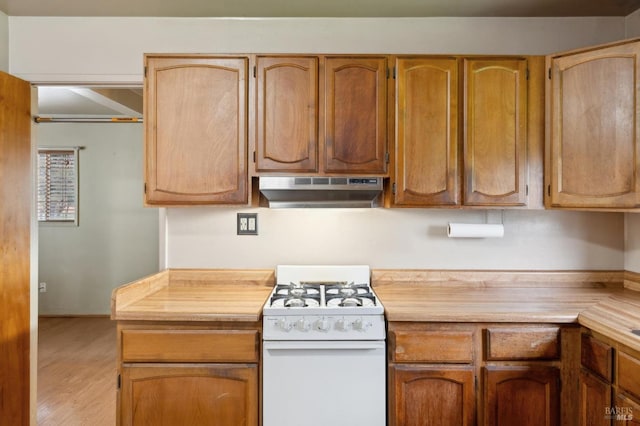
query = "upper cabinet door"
{"x": 426, "y": 132}
{"x": 495, "y": 132}
{"x": 355, "y": 128}
{"x": 287, "y": 114}
{"x": 593, "y": 136}
{"x": 196, "y": 130}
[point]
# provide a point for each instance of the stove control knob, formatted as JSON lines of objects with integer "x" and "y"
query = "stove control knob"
{"x": 284, "y": 325}
{"x": 302, "y": 325}
{"x": 342, "y": 325}
{"x": 322, "y": 325}
{"x": 358, "y": 325}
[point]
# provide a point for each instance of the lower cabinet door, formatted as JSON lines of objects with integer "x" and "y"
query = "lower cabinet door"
{"x": 626, "y": 411}
{"x": 521, "y": 396}
{"x": 189, "y": 394}
{"x": 426, "y": 395}
{"x": 595, "y": 400}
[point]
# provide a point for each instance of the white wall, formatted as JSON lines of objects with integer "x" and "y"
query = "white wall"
{"x": 395, "y": 238}
{"x": 4, "y": 42}
{"x": 632, "y": 242}
{"x": 116, "y": 240}
{"x": 632, "y": 25}
{"x": 110, "y": 50}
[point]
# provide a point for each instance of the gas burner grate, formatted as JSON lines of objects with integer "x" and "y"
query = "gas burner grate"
{"x": 356, "y": 300}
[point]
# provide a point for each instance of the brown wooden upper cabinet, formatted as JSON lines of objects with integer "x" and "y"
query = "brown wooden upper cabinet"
{"x": 427, "y": 160}
{"x": 321, "y": 114}
{"x": 287, "y": 114}
{"x": 195, "y": 129}
{"x": 593, "y": 148}
{"x": 495, "y": 132}
{"x": 487, "y": 164}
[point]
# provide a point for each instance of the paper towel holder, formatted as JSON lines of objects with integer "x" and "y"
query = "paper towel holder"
{"x": 477, "y": 230}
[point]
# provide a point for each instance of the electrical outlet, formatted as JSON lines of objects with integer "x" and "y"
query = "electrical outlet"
{"x": 247, "y": 224}
{"x": 42, "y": 287}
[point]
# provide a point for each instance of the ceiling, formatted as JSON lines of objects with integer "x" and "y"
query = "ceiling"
{"x": 320, "y": 8}
{"x": 89, "y": 102}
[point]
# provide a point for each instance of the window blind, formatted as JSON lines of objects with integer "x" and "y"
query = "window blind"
{"x": 57, "y": 185}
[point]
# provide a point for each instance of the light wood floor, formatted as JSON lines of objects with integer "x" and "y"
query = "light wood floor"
{"x": 76, "y": 372}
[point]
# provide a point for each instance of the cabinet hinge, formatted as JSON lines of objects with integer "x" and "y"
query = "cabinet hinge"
{"x": 386, "y": 157}
{"x": 254, "y": 156}
{"x": 393, "y": 188}
{"x": 549, "y": 73}
{"x": 255, "y": 71}
{"x": 119, "y": 381}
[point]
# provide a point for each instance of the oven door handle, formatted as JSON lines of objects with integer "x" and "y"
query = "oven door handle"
{"x": 323, "y": 345}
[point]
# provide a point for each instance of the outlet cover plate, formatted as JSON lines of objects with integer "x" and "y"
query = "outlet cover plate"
{"x": 247, "y": 224}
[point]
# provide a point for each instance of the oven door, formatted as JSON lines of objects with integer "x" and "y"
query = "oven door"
{"x": 324, "y": 383}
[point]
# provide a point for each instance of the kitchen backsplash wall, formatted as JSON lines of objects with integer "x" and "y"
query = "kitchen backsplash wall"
{"x": 394, "y": 238}
{"x": 632, "y": 242}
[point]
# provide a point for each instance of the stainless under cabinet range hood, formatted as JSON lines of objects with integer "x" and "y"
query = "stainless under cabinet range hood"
{"x": 321, "y": 192}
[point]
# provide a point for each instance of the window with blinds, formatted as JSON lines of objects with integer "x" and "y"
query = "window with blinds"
{"x": 58, "y": 185}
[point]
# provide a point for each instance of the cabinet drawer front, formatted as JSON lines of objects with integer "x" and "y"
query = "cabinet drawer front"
{"x": 629, "y": 374}
{"x": 190, "y": 345}
{"x": 523, "y": 343}
{"x": 597, "y": 356}
{"x": 433, "y": 346}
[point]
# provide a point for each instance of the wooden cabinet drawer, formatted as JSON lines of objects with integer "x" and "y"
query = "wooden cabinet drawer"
{"x": 455, "y": 346}
{"x": 596, "y": 356}
{"x": 504, "y": 343}
{"x": 629, "y": 374}
{"x": 190, "y": 345}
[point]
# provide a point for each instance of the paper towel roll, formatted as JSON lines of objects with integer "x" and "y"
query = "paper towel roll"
{"x": 475, "y": 230}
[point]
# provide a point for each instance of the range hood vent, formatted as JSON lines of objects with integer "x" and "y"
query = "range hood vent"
{"x": 321, "y": 192}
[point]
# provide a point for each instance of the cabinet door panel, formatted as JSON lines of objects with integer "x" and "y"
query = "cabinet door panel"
{"x": 432, "y": 396}
{"x": 355, "y": 115}
{"x": 189, "y": 394}
{"x": 628, "y": 374}
{"x": 595, "y": 398}
{"x": 196, "y": 130}
{"x": 594, "y": 128}
{"x": 626, "y": 411}
{"x": 495, "y": 132}
{"x": 427, "y": 131}
{"x": 596, "y": 356}
{"x": 287, "y": 114}
{"x": 523, "y": 396}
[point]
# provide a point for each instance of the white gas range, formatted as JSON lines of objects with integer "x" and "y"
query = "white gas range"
{"x": 329, "y": 303}
{"x": 323, "y": 345}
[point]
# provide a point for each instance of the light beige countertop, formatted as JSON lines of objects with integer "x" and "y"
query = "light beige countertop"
{"x": 194, "y": 295}
{"x": 615, "y": 317}
{"x": 492, "y": 296}
{"x": 597, "y": 300}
